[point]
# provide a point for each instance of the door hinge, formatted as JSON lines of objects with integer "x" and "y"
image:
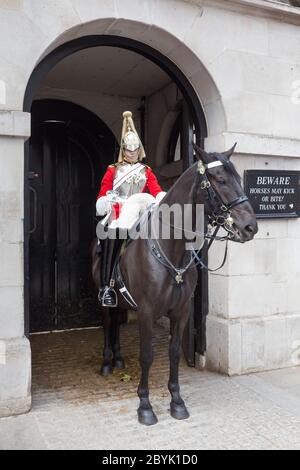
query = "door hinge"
{"x": 32, "y": 175}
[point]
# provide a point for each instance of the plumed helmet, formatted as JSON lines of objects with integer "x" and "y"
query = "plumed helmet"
{"x": 130, "y": 139}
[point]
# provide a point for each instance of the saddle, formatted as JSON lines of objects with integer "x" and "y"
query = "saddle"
{"x": 116, "y": 272}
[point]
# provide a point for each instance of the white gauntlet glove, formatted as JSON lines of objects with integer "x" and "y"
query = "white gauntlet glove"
{"x": 159, "y": 197}
{"x": 103, "y": 205}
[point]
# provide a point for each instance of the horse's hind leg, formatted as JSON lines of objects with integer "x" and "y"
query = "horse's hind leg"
{"x": 118, "y": 360}
{"x": 106, "y": 367}
{"x": 177, "y": 407}
{"x": 145, "y": 413}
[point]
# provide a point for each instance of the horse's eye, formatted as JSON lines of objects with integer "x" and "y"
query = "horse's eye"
{"x": 221, "y": 181}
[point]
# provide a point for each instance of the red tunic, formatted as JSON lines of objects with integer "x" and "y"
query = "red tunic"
{"x": 108, "y": 179}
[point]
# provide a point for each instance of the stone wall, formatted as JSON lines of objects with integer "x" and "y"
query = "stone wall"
{"x": 242, "y": 57}
{"x": 162, "y": 109}
{"x": 15, "y": 364}
{"x": 294, "y": 3}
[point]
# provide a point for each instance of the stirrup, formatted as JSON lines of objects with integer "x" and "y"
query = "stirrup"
{"x": 108, "y": 297}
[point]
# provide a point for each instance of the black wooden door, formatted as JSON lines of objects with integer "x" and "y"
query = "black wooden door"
{"x": 194, "y": 338}
{"x": 65, "y": 167}
{"x": 42, "y": 234}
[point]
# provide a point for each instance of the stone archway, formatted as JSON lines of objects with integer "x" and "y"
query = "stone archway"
{"x": 200, "y": 91}
{"x": 159, "y": 45}
{"x": 83, "y": 44}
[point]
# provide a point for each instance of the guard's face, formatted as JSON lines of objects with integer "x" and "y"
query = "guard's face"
{"x": 131, "y": 155}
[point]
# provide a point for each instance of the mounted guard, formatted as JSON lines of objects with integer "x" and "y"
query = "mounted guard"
{"x": 163, "y": 280}
{"x": 118, "y": 202}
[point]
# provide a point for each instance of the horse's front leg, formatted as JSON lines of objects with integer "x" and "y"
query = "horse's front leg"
{"x": 118, "y": 360}
{"x": 106, "y": 367}
{"x": 177, "y": 406}
{"x": 145, "y": 413}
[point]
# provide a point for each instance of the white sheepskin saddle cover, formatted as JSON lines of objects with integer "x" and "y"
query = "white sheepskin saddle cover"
{"x": 132, "y": 210}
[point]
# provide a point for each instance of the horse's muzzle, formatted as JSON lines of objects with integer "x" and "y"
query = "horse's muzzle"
{"x": 245, "y": 233}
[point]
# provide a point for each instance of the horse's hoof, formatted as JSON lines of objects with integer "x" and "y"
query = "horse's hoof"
{"x": 106, "y": 369}
{"x": 179, "y": 411}
{"x": 146, "y": 417}
{"x": 119, "y": 363}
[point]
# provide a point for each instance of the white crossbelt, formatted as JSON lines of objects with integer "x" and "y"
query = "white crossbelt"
{"x": 132, "y": 170}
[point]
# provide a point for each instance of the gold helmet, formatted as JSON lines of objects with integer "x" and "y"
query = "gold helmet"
{"x": 130, "y": 139}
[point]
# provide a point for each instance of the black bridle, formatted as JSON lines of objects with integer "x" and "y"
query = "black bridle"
{"x": 220, "y": 217}
{"x": 220, "y": 211}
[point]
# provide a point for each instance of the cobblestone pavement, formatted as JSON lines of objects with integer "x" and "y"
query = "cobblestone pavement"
{"x": 75, "y": 408}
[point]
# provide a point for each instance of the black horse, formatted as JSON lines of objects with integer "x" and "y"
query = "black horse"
{"x": 162, "y": 281}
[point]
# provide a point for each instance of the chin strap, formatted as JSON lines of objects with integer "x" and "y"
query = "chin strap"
{"x": 131, "y": 163}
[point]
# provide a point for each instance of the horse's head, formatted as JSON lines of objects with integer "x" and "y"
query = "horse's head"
{"x": 227, "y": 204}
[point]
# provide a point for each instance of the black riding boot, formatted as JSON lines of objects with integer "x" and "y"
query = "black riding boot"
{"x": 107, "y": 294}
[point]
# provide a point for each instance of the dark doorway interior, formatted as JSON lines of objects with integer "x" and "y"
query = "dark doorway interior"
{"x": 70, "y": 149}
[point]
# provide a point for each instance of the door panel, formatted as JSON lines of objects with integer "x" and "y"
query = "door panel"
{"x": 42, "y": 234}
{"x": 75, "y": 230}
{"x": 65, "y": 167}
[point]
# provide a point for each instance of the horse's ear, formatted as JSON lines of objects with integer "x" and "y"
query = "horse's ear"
{"x": 200, "y": 153}
{"x": 229, "y": 152}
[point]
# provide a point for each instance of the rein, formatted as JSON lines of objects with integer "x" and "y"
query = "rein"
{"x": 162, "y": 258}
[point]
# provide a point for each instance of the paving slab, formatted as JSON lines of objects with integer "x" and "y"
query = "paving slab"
{"x": 75, "y": 408}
